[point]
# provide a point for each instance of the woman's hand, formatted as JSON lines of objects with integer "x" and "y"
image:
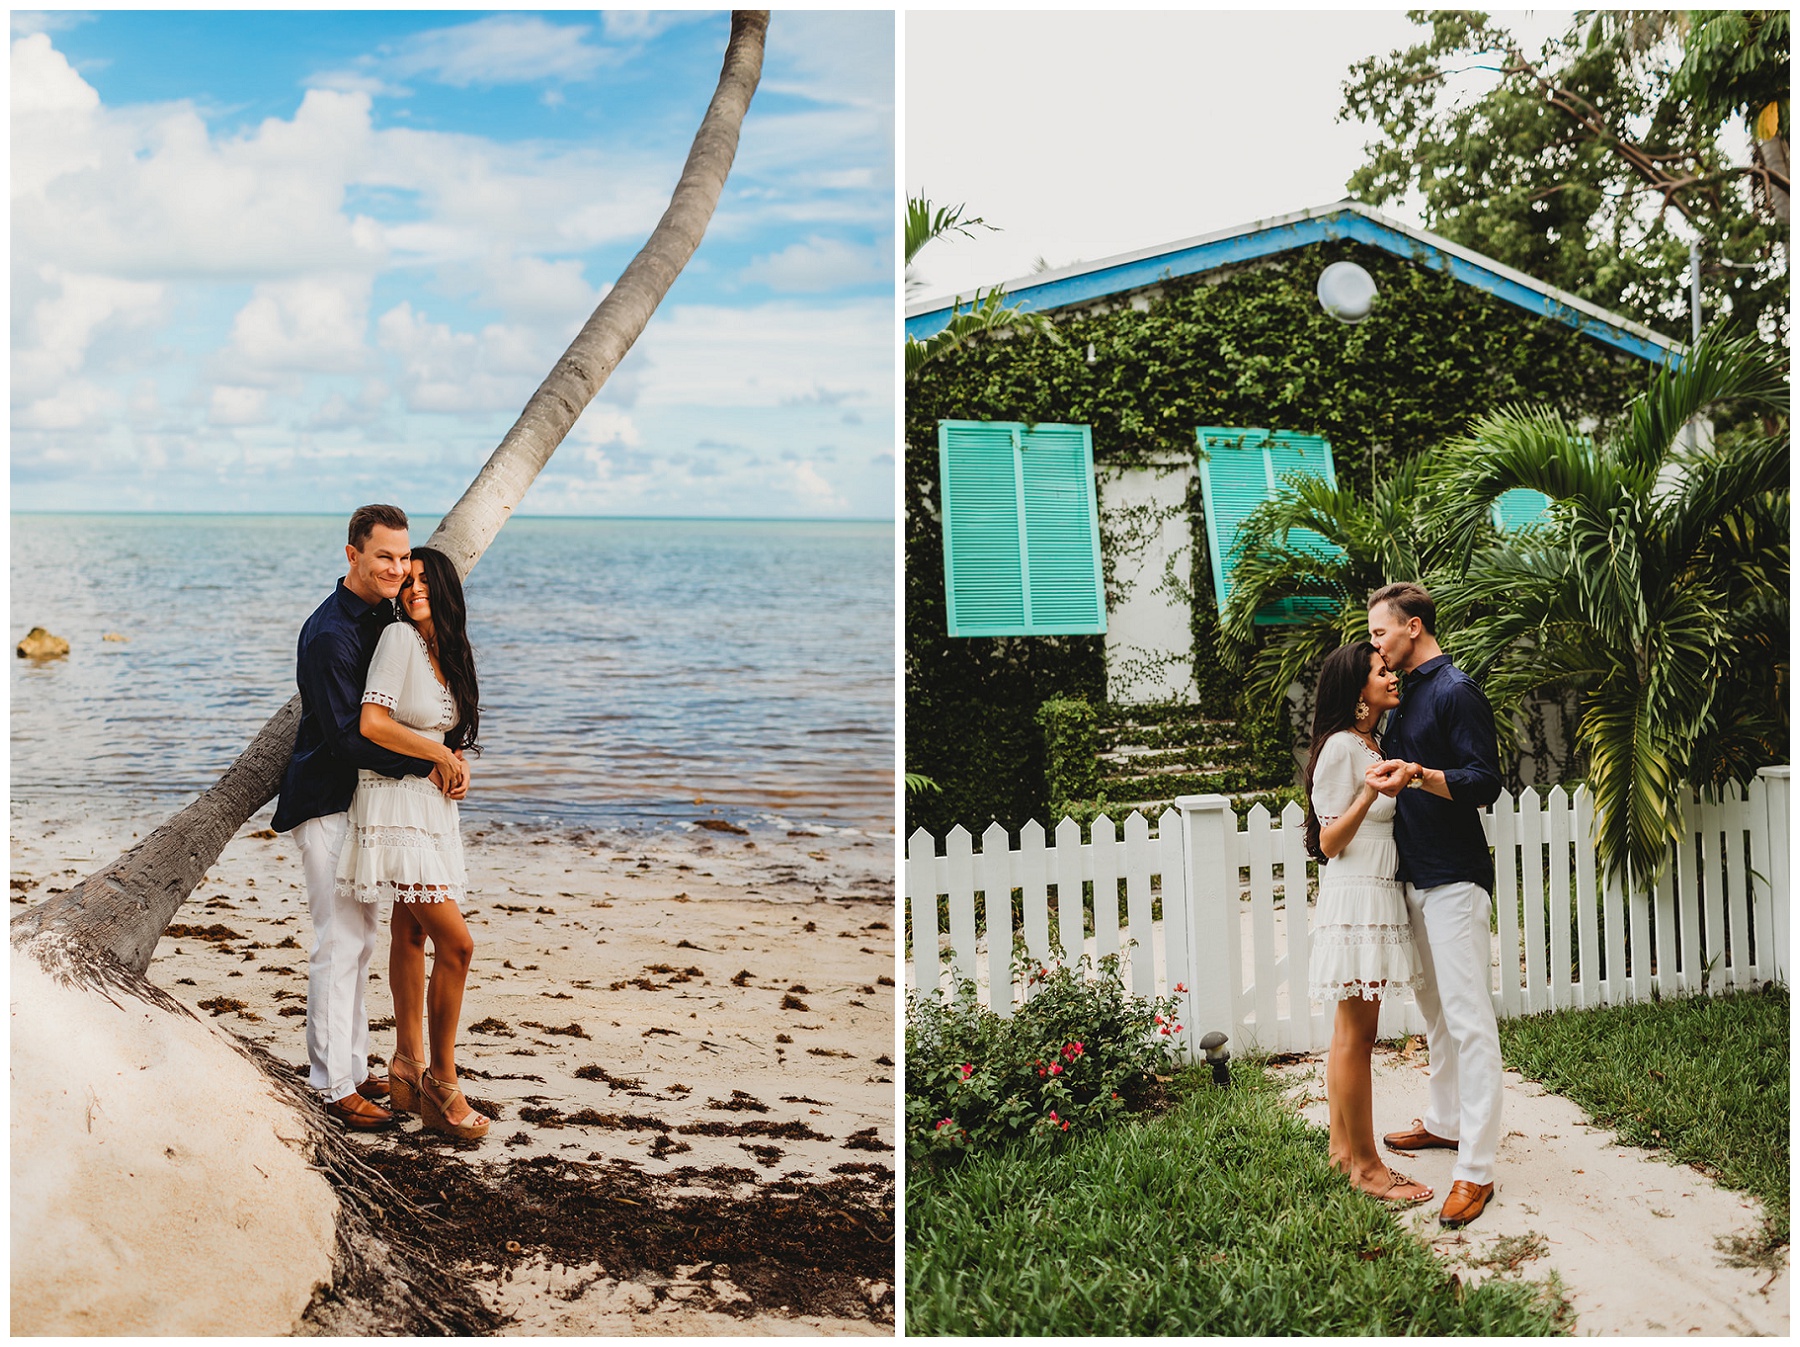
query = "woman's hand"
{"x": 452, "y": 777}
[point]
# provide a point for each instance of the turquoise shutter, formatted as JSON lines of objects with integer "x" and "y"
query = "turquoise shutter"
{"x": 1239, "y": 470}
{"x": 1520, "y": 508}
{"x": 1021, "y": 530}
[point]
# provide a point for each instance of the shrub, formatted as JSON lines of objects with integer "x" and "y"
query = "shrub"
{"x": 1080, "y": 1052}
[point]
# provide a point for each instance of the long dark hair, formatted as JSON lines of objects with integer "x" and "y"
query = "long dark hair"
{"x": 449, "y": 620}
{"x": 1341, "y": 681}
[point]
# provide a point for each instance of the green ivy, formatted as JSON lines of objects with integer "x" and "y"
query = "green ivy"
{"x": 1249, "y": 348}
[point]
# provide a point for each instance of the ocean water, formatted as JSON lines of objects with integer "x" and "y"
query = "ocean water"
{"x": 635, "y": 674}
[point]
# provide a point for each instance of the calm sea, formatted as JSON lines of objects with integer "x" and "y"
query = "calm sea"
{"x": 634, "y": 673}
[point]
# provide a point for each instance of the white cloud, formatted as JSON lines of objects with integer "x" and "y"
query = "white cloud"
{"x": 770, "y": 354}
{"x": 818, "y": 264}
{"x": 644, "y": 25}
{"x": 826, "y": 56}
{"x": 602, "y": 424}
{"x": 150, "y": 192}
{"x": 77, "y": 404}
{"x": 443, "y": 370}
{"x": 503, "y": 49}
{"x": 235, "y": 405}
{"x": 313, "y": 325}
{"x": 72, "y": 310}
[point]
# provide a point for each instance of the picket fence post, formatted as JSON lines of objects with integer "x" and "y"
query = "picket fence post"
{"x": 1775, "y": 824}
{"x": 1209, "y": 851}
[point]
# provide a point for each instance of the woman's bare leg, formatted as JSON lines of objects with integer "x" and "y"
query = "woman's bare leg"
{"x": 451, "y": 949}
{"x": 1350, "y": 1092}
{"x": 406, "y": 980}
{"x": 1350, "y": 1089}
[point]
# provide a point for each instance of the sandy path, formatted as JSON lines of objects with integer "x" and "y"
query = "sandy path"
{"x": 1630, "y": 1235}
{"x": 712, "y": 980}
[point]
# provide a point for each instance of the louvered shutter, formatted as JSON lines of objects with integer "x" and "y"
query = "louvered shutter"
{"x": 1021, "y": 530}
{"x": 1520, "y": 508}
{"x": 1239, "y": 470}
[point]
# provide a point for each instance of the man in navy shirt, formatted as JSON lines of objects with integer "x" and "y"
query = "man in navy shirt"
{"x": 336, "y": 645}
{"x": 1443, "y": 770}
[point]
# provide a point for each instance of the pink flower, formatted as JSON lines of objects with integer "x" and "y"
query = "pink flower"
{"x": 967, "y": 1070}
{"x": 1178, "y": 1028}
{"x": 1056, "y": 1068}
{"x": 942, "y": 1125}
{"x": 1052, "y": 1115}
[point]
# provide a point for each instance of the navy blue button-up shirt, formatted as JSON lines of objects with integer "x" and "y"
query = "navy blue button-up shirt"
{"x": 1444, "y": 722}
{"x": 336, "y": 645}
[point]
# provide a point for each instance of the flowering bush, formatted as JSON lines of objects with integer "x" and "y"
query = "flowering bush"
{"x": 1079, "y": 1052}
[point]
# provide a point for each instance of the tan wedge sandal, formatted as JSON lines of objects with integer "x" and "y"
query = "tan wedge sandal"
{"x": 403, "y": 1094}
{"x": 434, "y": 1110}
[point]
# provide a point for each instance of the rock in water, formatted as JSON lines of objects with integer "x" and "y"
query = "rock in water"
{"x": 115, "y": 636}
{"x": 158, "y": 1184}
{"x": 40, "y": 644}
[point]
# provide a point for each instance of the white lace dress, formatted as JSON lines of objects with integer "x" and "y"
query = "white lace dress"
{"x": 403, "y": 843}
{"x": 1362, "y": 940}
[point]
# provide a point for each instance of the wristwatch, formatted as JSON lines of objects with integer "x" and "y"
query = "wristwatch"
{"x": 1418, "y": 781}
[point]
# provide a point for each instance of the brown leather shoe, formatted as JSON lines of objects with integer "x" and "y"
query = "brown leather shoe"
{"x": 375, "y": 1087}
{"x": 359, "y": 1114}
{"x": 1415, "y": 1138}
{"x": 1466, "y": 1202}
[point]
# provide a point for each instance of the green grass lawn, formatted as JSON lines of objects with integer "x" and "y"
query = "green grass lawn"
{"x": 1704, "y": 1078}
{"x": 1221, "y": 1216}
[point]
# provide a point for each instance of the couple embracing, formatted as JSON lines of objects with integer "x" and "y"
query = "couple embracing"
{"x": 387, "y": 712}
{"x": 1405, "y": 885}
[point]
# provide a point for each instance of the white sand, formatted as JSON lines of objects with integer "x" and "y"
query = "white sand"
{"x": 574, "y": 932}
{"x": 150, "y": 1170}
{"x": 1631, "y": 1235}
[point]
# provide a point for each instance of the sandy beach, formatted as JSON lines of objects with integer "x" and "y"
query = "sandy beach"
{"x": 688, "y": 1040}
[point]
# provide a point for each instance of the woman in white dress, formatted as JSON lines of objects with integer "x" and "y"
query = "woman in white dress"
{"x": 1362, "y": 941}
{"x": 403, "y": 844}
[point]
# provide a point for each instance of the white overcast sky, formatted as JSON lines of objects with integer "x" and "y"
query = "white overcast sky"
{"x": 1086, "y": 134}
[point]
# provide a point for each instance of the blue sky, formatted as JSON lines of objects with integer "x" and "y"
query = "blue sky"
{"x": 295, "y": 261}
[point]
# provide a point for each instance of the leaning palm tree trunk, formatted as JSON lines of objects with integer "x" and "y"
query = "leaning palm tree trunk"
{"x": 124, "y": 908}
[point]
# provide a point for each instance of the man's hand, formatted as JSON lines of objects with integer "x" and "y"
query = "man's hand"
{"x": 1389, "y": 776}
{"x": 452, "y": 779}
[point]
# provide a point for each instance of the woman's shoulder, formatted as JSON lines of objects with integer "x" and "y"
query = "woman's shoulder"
{"x": 399, "y": 638}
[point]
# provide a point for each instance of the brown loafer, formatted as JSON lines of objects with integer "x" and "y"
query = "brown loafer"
{"x": 359, "y": 1114}
{"x": 1416, "y": 1138}
{"x": 1466, "y": 1202}
{"x": 375, "y": 1087}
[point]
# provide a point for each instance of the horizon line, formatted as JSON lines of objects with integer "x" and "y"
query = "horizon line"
{"x": 436, "y": 514}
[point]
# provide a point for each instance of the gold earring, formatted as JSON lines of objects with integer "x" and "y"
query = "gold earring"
{"x": 1362, "y": 708}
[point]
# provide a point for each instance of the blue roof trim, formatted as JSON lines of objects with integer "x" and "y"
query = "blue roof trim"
{"x": 1138, "y": 271}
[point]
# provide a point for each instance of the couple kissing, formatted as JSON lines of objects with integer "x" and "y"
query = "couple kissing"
{"x": 1405, "y": 885}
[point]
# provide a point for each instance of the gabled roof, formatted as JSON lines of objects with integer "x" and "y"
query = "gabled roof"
{"x": 1089, "y": 281}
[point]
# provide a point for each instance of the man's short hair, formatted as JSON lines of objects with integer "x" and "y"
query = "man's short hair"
{"x": 1411, "y": 600}
{"x": 363, "y": 522}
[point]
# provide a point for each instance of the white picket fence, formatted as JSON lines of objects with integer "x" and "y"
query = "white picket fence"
{"x": 1224, "y": 912}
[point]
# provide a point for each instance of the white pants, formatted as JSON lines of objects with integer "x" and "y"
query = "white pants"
{"x": 344, "y": 934}
{"x": 1450, "y": 928}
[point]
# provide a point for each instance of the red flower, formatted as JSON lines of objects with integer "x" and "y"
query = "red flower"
{"x": 942, "y": 1125}
{"x": 1056, "y": 1068}
{"x": 967, "y": 1070}
{"x": 1181, "y": 986}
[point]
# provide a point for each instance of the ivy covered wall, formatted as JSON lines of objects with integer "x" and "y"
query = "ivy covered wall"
{"x": 1249, "y": 348}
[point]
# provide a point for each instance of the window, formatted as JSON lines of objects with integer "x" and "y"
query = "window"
{"x": 1239, "y": 470}
{"x": 1021, "y": 529}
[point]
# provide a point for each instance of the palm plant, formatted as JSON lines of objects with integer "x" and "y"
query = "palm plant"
{"x": 986, "y": 314}
{"x": 1330, "y": 549}
{"x": 1657, "y": 594}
